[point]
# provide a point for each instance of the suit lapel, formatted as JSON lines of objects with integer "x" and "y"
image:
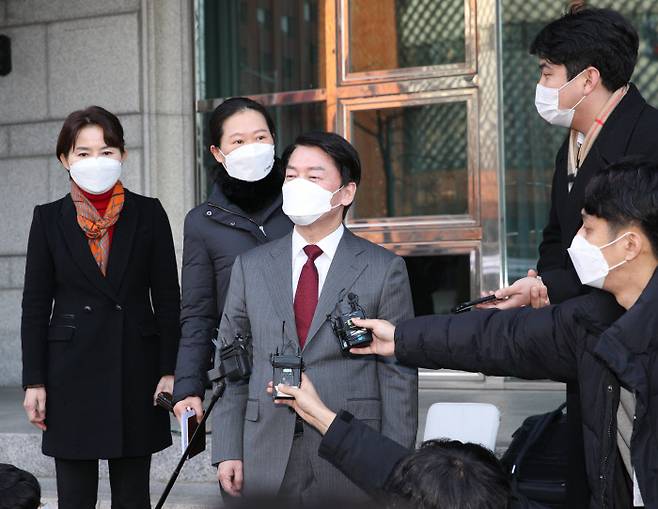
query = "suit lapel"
{"x": 344, "y": 270}
{"x": 79, "y": 248}
{"x": 122, "y": 242}
{"x": 277, "y": 272}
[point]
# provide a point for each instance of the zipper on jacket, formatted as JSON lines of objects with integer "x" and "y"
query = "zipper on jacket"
{"x": 604, "y": 463}
{"x": 260, "y": 227}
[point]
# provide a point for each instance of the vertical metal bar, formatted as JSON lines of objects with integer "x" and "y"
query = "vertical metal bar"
{"x": 490, "y": 168}
{"x": 329, "y": 22}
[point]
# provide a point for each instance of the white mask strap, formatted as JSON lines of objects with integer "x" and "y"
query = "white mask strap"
{"x": 613, "y": 241}
{"x": 617, "y": 265}
{"x": 332, "y": 195}
{"x": 567, "y": 83}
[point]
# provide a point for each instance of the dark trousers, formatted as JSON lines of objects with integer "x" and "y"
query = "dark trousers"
{"x": 77, "y": 483}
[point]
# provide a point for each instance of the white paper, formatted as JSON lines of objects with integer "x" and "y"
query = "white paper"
{"x": 637, "y": 496}
{"x": 184, "y": 432}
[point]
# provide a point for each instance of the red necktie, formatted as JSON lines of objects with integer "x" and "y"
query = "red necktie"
{"x": 306, "y": 296}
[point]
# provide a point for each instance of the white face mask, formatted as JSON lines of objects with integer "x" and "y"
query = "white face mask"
{"x": 96, "y": 175}
{"x": 547, "y": 102}
{"x": 305, "y": 202}
{"x": 589, "y": 262}
{"x": 250, "y": 162}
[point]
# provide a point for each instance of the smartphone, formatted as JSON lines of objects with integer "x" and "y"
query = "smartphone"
{"x": 466, "y": 306}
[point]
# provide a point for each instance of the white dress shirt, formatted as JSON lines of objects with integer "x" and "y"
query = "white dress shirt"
{"x": 329, "y": 245}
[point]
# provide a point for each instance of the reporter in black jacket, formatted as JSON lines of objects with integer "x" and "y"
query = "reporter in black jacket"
{"x": 100, "y": 324}
{"x": 612, "y": 354}
{"x": 589, "y": 56}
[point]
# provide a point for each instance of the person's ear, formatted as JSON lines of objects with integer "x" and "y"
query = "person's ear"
{"x": 217, "y": 154}
{"x": 347, "y": 194}
{"x": 64, "y": 162}
{"x": 592, "y": 79}
{"x": 124, "y": 155}
{"x": 633, "y": 244}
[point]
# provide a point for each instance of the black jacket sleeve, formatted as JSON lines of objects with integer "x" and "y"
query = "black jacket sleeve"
{"x": 365, "y": 456}
{"x": 199, "y": 317}
{"x": 165, "y": 291}
{"x": 38, "y": 294}
{"x": 525, "y": 342}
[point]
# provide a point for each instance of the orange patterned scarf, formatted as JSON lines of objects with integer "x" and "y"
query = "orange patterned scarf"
{"x": 93, "y": 225}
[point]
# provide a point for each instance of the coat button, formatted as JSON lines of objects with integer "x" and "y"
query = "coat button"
{"x": 232, "y": 223}
{"x": 118, "y": 307}
{"x": 208, "y": 213}
{"x": 609, "y": 388}
{"x": 87, "y": 309}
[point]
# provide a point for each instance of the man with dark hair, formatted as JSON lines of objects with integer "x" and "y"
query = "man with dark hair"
{"x": 586, "y": 60}
{"x": 18, "y": 489}
{"x": 588, "y": 340}
{"x": 281, "y": 294}
{"x": 448, "y": 474}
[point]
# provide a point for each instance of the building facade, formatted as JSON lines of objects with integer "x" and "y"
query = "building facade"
{"x": 437, "y": 96}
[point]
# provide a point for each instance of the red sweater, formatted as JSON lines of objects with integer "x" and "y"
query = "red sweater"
{"x": 101, "y": 201}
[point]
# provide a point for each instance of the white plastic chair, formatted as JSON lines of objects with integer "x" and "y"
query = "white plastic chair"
{"x": 466, "y": 422}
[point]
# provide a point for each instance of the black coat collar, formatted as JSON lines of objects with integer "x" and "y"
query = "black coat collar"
{"x": 228, "y": 210}
{"x": 610, "y": 146}
{"x": 122, "y": 240}
{"x": 625, "y": 345}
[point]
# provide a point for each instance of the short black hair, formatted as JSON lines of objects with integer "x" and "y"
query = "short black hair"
{"x": 93, "y": 115}
{"x": 18, "y": 489}
{"x": 338, "y": 148}
{"x": 585, "y": 37}
{"x": 229, "y": 108}
{"x": 624, "y": 193}
{"x": 449, "y": 474}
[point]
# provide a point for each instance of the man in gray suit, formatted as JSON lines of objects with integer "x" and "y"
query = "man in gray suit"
{"x": 292, "y": 284}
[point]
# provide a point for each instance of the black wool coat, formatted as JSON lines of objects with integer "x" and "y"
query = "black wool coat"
{"x": 629, "y": 131}
{"x": 588, "y": 340}
{"x": 216, "y": 232}
{"x": 102, "y": 349}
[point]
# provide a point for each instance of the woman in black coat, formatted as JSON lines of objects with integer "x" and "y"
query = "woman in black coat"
{"x": 242, "y": 212}
{"x": 100, "y": 325}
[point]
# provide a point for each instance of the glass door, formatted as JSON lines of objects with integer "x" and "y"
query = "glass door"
{"x": 413, "y": 84}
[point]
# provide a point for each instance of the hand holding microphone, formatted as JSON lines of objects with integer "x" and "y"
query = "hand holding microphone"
{"x": 307, "y": 403}
{"x": 383, "y": 335}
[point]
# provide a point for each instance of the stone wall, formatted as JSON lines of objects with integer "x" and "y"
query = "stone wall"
{"x": 133, "y": 57}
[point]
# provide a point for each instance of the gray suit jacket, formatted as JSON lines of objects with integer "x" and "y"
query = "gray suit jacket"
{"x": 247, "y": 425}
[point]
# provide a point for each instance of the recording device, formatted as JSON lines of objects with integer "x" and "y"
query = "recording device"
{"x": 348, "y": 334}
{"x": 286, "y": 367}
{"x": 467, "y": 306}
{"x": 234, "y": 360}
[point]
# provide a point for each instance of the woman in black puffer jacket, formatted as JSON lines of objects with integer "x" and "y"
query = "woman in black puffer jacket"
{"x": 242, "y": 212}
